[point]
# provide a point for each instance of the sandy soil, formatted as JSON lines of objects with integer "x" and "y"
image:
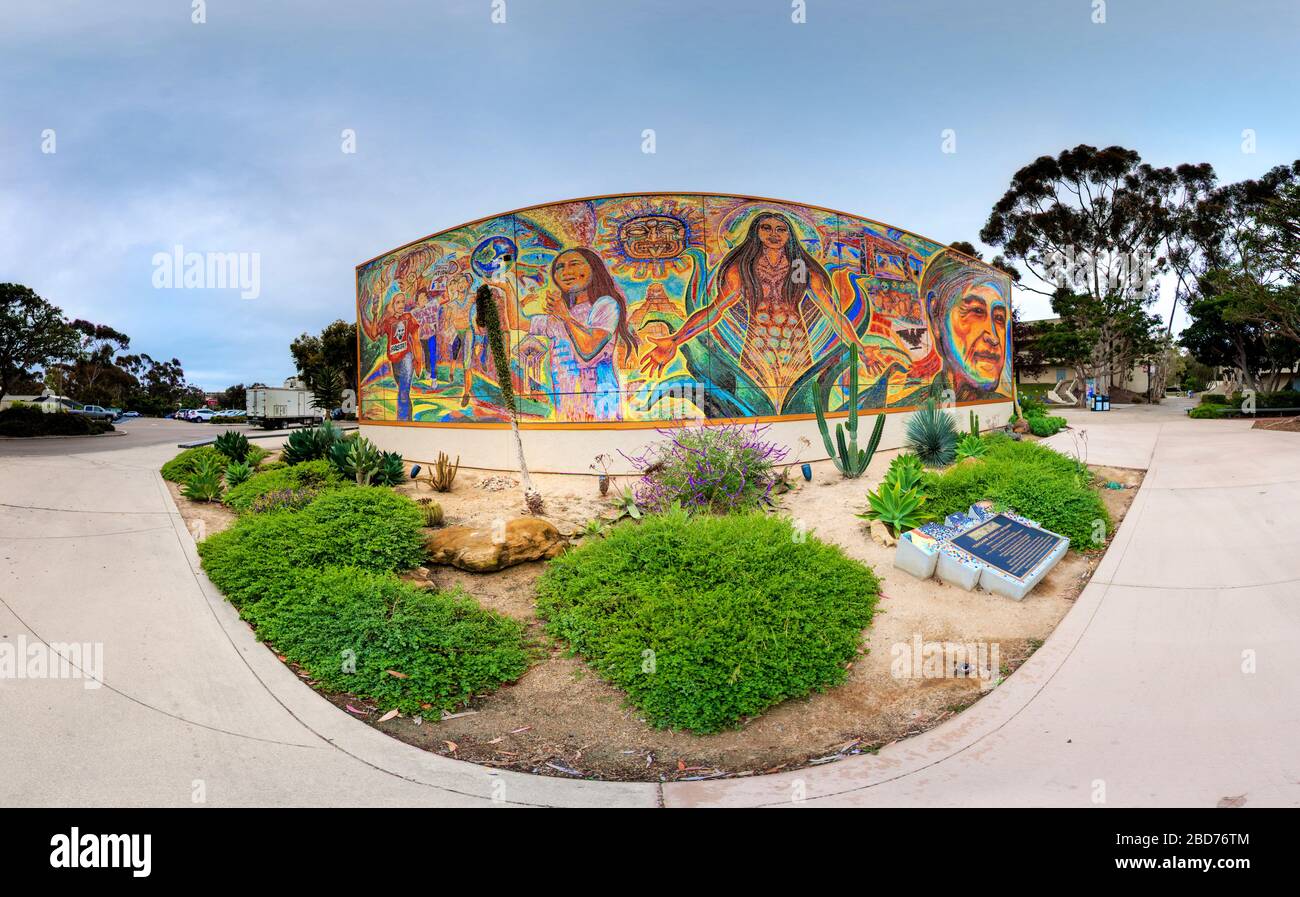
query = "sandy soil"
{"x": 1287, "y": 424}
{"x": 561, "y": 719}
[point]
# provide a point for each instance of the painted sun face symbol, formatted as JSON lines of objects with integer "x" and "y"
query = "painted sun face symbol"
{"x": 652, "y": 237}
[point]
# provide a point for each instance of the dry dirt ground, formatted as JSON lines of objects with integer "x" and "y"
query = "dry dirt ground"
{"x": 1288, "y": 424}
{"x": 561, "y": 719}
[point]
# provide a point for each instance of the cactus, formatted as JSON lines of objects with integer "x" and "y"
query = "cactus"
{"x": 440, "y": 476}
{"x": 974, "y": 424}
{"x": 849, "y": 460}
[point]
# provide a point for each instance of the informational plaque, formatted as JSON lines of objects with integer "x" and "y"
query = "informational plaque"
{"x": 1008, "y": 545}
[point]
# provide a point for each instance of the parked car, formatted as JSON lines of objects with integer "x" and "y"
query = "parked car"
{"x": 127, "y": 415}
{"x": 94, "y": 412}
{"x": 201, "y": 415}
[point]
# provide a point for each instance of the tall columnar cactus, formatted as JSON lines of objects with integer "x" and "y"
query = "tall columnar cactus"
{"x": 849, "y": 460}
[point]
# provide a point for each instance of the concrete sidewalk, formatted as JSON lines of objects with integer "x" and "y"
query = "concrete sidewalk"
{"x": 1140, "y": 692}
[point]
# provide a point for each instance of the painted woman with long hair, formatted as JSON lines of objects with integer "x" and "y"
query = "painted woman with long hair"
{"x": 586, "y": 322}
{"x": 772, "y": 274}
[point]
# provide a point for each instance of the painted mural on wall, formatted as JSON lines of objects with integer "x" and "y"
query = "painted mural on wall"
{"x": 655, "y": 307}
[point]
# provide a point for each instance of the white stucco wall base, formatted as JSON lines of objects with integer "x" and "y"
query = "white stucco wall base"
{"x": 552, "y": 450}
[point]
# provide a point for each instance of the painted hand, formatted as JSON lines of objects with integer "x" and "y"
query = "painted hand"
{"x": 556, "y": 307}
{"x": 656, "y": 359}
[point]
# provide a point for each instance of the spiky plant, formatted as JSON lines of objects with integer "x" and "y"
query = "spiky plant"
{"x": 392, "y": 469}
{"x": 233, "y": 444}
{"x": 204, "y": 483}
{"x": 896, "y": 507}
{"x": 432, "y": 512}
{"x": 971, "y": 446}
{"x": 357, "y": 458}
{"x": 932, "y": 435}
{"x": 311, "y": 444}
{"x": 237, "y": 472}
{"x": 442, "y": 473}
{"x": 905, "y": 470}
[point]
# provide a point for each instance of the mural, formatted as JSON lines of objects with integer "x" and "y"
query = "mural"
{"x": 653, "y": 307}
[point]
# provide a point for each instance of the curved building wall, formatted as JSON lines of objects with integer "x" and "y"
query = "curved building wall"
{"x": 630, "y": 312}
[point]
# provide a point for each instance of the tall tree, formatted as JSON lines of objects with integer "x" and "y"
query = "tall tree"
{"x": 325, "y": 359}
{"x": 33, "y": 335}
{"x": 1087, "y": 225}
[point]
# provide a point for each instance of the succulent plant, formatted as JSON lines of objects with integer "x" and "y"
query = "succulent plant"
{"x": 233, "y": 444}
{"x": 932, "y": 435}
{"x": 237, "y": 472}
{"x": 896, "y": 507}
{"x": 971, "y": 446}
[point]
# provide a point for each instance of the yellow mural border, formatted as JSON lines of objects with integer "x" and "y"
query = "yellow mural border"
{"x": 660, "y": 424}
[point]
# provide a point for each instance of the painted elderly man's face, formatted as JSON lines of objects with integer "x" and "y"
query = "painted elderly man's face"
{"x": 977, "y": 333}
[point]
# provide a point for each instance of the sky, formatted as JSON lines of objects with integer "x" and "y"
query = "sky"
{"x": 228, "y": 135}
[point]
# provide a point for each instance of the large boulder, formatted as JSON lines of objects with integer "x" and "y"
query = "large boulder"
{"x": 484, "y": 549}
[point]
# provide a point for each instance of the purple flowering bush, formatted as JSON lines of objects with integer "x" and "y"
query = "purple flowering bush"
{"x": 719, "y": 469}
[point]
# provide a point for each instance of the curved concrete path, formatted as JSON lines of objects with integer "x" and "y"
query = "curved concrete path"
{"x": 1173, "y": 680}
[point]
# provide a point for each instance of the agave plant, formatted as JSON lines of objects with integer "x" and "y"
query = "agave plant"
{"x": 971, "y": 446}
{"x": 233, "y": 444}
{"x": 357, "y": 458}
{"x": 905, "y": 469}
{"x": 311, "y": 444}
{"x": 237, "y": 472}
{"x": 896, "y": 507}
{"x": 204, "y": 483}
{"x": 392, "y": 470}
{"x": 932, "y": 435}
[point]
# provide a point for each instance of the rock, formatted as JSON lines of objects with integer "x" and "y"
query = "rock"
{"x": 481, "y": 550}
{"x": 1020, "y": 426}
{"x": 881, "y": 534}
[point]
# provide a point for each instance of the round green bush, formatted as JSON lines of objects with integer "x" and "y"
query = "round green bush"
{"x": 705, "y": 620}
{"x": 180, "y": 468}
{"x": 443, "y": 647}
{"x": 369, "y": 527}
{"x": 1031, "y": 479}
{"x": 314, "y": 475}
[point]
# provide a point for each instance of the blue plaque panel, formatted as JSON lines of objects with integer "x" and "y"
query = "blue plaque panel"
{"x": 1008, "y": 545}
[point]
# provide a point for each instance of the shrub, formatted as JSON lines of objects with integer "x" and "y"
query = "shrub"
{"x": 370, "y": 528}
{"x": 233, "y": 444}
{"x": 932, "y": 435}
{"x": 739, "y": 612}
{"x": 256, "y": 455}
{"x": 30, "y": 420}
{"x": 1206, "y": 412}
{"x": 316, "y": 476}
{"x": 204, "y": 482}
{"x": 178, "y": 469}
{"x": 1037, "y": 482}
{"x": 1031, "y": 406}
{"x": 1046, "y": 426}
{"x": 1213, "y": 398}
{"x": 284, "y": 500}
{"x": 443, "y": 647}
{"x": 717, "y": 469}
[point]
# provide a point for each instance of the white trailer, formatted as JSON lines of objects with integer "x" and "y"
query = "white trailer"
{"x": 281, "y": 406}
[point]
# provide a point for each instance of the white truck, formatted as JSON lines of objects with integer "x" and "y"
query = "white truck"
{"x": 281, "y": 406}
